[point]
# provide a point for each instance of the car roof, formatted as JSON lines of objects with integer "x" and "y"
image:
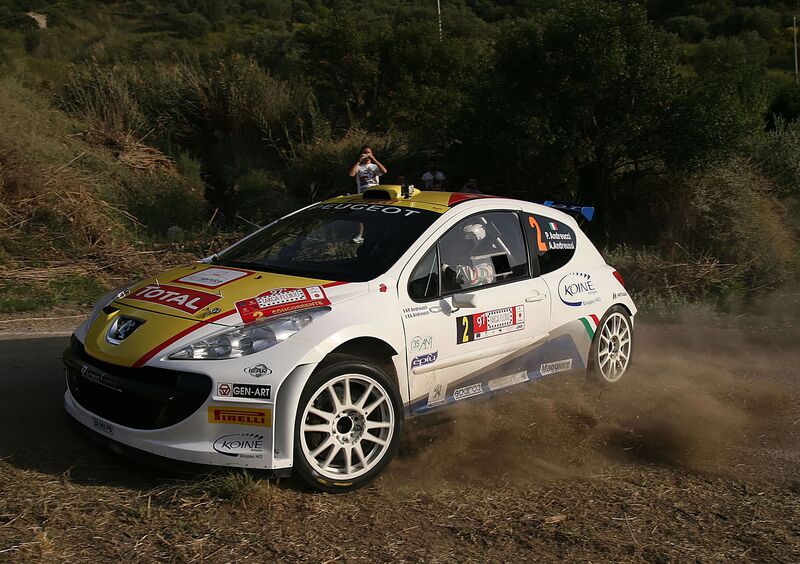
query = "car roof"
{"x": 435, "y": 201}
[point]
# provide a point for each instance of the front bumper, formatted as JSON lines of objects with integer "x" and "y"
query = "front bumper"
{"x": 166, "y": 413}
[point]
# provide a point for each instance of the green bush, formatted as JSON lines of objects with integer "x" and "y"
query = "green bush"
{"x": 191, "y": 25}
{"x": 777, "y": 153}
{"x": 160, "y": 201}
{"x": 259, "y": 197}
{"x": 688, "y": 28}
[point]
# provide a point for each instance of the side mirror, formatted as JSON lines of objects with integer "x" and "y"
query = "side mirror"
{"x": 465, "y": 300}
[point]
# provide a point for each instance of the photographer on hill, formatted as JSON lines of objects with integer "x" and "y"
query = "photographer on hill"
{"x": 367, "y": 170}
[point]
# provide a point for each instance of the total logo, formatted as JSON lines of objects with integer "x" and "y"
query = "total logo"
{"x": 577, "y": 289}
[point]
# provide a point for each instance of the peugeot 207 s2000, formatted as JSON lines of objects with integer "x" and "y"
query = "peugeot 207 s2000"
{"x": 305, "y": 345}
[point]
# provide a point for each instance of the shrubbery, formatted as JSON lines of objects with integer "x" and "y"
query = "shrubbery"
{"x": 247, "y": 109}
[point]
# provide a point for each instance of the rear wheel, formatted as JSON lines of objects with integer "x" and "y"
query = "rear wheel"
{"x": 348, "y": 425}
{"x": 612, "y": 348}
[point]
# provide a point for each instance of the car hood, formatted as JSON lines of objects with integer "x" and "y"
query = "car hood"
{"x": 187, "y": 299}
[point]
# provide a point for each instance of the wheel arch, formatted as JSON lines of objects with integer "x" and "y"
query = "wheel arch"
{"x": 375, "y": 350}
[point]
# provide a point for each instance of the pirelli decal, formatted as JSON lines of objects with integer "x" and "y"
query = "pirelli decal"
{"x": 489, "y": 324}
{"x": 240, "y": 416}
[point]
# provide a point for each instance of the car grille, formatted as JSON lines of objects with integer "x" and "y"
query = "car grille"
{"x": 140, "y": 398}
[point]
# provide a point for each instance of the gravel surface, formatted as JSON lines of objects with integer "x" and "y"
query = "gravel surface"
{"x": 696, "y": 457}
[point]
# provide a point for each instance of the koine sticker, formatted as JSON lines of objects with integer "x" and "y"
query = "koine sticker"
{"x": 213, "y": 277}
{"x": 577, "y": 289}
{"x": 281, "y": 300}
{"x": 243, "y": 445}
{"x": 489, "y": 324}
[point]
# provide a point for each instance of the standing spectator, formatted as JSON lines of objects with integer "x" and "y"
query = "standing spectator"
{"x": 471, "y": 186}
{"x": 432, "y": 177}
{"x": 367, "y": 170}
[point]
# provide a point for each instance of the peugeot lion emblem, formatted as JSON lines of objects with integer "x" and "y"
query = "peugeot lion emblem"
{"x": 121, "y": 329}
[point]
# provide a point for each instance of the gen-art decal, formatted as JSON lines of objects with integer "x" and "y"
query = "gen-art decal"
{"x": 249, "y": 391}
{"x": 186, "y": 300}
{"x": 281, "y": 300}
{"x": 577, "y": 289}
{"x": 479, "y": 326}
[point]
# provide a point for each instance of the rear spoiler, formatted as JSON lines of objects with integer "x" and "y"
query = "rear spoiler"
{"x": 571, "y": 209}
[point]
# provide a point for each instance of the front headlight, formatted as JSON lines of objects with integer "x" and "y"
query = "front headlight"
{"x": 248, "y": 339}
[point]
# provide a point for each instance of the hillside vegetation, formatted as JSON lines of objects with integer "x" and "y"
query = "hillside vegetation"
{"x": 127, "y": 125}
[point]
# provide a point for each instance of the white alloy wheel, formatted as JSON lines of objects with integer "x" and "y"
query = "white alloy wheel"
{"x": 347, "y": 426}
{"x": 611, "y": 351}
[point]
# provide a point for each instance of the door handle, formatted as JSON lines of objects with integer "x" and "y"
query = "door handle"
{"x": 434, "y": 309}
{"x": 535, "y": 298}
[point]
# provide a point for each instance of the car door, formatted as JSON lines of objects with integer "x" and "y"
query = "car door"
{"x": 470, "y": 304}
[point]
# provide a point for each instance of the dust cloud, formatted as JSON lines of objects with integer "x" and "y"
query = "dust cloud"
{"x": 695, "y": 399}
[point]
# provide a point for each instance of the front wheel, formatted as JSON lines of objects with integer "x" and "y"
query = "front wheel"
{"x": 348, "y": 425}
{"x": 612, "y": 348}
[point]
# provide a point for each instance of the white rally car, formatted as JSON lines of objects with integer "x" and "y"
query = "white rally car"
{"x": 305, "y": 345}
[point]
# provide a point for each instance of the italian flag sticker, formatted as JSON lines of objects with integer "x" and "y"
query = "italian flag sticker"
{"x": 590, "y": 324}
{"x": 553, "y": 226}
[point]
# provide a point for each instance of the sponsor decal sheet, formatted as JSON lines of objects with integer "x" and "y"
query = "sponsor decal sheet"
{"x": 281, "y": 300}
{"x": 487, "y": 324}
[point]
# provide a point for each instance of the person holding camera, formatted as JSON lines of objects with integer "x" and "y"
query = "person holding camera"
{"x": 367, "y": 170}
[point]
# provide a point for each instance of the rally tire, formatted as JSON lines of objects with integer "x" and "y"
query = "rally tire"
{"x": 348, "y": 425}
{"x": 611, "y": 353}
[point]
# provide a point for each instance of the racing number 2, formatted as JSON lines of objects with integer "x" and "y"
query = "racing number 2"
{"x": 468, "y": 325}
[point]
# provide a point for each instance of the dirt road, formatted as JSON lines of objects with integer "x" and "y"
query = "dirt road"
{"x": 696, "y": 457}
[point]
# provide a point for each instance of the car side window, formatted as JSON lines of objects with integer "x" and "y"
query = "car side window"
{"x": 553, "y": 241}
{"x": 424, "y": 281}
{"x": 481, "y": 250}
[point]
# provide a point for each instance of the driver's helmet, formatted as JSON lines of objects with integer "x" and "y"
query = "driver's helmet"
{"x": 463, "y": 244}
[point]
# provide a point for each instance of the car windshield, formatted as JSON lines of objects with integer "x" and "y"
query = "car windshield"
{"x": 348, "y": 242}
